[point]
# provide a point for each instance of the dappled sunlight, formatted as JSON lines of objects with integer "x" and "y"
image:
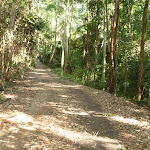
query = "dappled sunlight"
{"x": 13, "y": 129}
{"x": 128, "y": 135}
{"x": 30, "y": 77}
{"x": 73, "y": 113}
{"x": 64, "y": 96}
{"x": 9, "y": 96}
{"x": 42, "y": 70}
{"x": 39, "y": 73}
{"x": 137, "y": 110}
{"x": 34, "y": 88}
{"x": 131, "y": 121}
{"x": 72, "y": 86}
{"x": 84, "y": 138}
{"x": 70, "y": 110}
{"x": 19, "y": 117}
{"x": 50, "y": 125}
{"x": 54, "y": 85}
{"x": 59, "y": 85}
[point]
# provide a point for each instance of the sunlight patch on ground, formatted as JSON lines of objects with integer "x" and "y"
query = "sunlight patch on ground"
{"x": 20, "y": 117}
{"x": 126, "y": 135}
{"x": 54, "y": 85}
{"x": 59, "y": 85}
{"x": 131, "y": 121}
{"x": 75, "y": 113}
{"x": 35, "y": 88}
{"x": 47, "y": 124}
{"x": 64, "y": 96}
{"x": 9, "y": 96}
{"x": 83, "y": 138}
{"x": 39, "y": 73}
{"x": 72, "y": 86}
{"x": 42, "y": 70}
{"x": 13, "y": 129}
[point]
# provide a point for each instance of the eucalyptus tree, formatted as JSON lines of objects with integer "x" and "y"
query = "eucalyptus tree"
{"x": 113, "y": 41}
{"x": 129, "y": 12}
{"x": 139, "y": 95}
{"x": 104, "y": 45}
{"x": 87, "y": 44}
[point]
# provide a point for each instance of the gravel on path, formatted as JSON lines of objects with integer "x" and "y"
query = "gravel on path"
{"x": 45, "y": 112}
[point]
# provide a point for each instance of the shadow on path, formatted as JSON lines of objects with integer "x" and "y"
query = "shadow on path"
{"x": 49, "y": 113}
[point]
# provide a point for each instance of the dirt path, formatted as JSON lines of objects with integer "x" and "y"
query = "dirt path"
{"x": 48, "y": 113}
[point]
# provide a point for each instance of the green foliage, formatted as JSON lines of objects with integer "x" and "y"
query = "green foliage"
{"x": 129, "y": 47}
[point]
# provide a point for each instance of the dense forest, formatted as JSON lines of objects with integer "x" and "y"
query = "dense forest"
{"x": 104, "y": 44}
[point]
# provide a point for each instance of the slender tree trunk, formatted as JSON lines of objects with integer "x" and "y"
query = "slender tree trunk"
{"x": 113, "y": 41}
{"x": 67, "y": 35}
{"x": 11, "y": 28}
{"x": 84, "y": 46}
{"x": 104, "y": 50}
{"x": 149, "y": 98}
{"x": 71, "y": 22}
{"x": 126, "y": 55}
{"x": 96, "y": 54}
{"x": 96, "y": 43}
{"x": 116, "y": 66}
{"x": 54, "y": 51}
{"x": 63, "y": 51}
{"x": 87, "y": 45}
{"x": 2, "y": 62}
{"x": 107, "y": 25}
{"x": 139, "y": 95}
{"x": 12, "y": 16}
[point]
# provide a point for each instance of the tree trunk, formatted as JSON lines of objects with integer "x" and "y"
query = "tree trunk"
{"x": 63, "y": 51}
{"x": 113, "y": 41}
{"x": 107, "y": 25}
{"x": 96, "y": 43}
{"x": 84, "y": 46}
{"x": 71, "y": 23}
{"x": 116, "y": 66}
{"x": 104, "y": 50}
{"x": 3, "y": 61}
{"x": 67, "y": 34}
{"x": 149, "y": 98}
{"x": 128, "y": 46}
{"x": 54, "y": 51}
{"x": 87, "y": 45}
{"x": 139, "y": 95}
{"x": 11, "y": 28}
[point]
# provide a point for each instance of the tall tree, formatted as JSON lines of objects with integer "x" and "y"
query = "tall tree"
{"x": 87, "y": 44}
{"x": 11, "y": 30}
{"x": 139, "y": 95}
{"x": 54, "y": 51}
{"x": 96, "y": 40}
{"x": 63, "y": 49}
{"x": 67, "y": 36}
{"x": 128, "y": 46}
{"x": 2, "y": 62}
{"x": 104, "y": 46}
{"x": 116, "y": 65}
{"x": 112, "y": 47}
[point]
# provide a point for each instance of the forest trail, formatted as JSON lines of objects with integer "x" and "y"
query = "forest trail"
{"x": 48, "y": 113}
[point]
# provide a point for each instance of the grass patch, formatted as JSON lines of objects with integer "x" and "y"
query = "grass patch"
{"x": 66, "y": 76}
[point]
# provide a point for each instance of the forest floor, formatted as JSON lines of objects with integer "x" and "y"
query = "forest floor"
{"x": 45, "y": 112}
